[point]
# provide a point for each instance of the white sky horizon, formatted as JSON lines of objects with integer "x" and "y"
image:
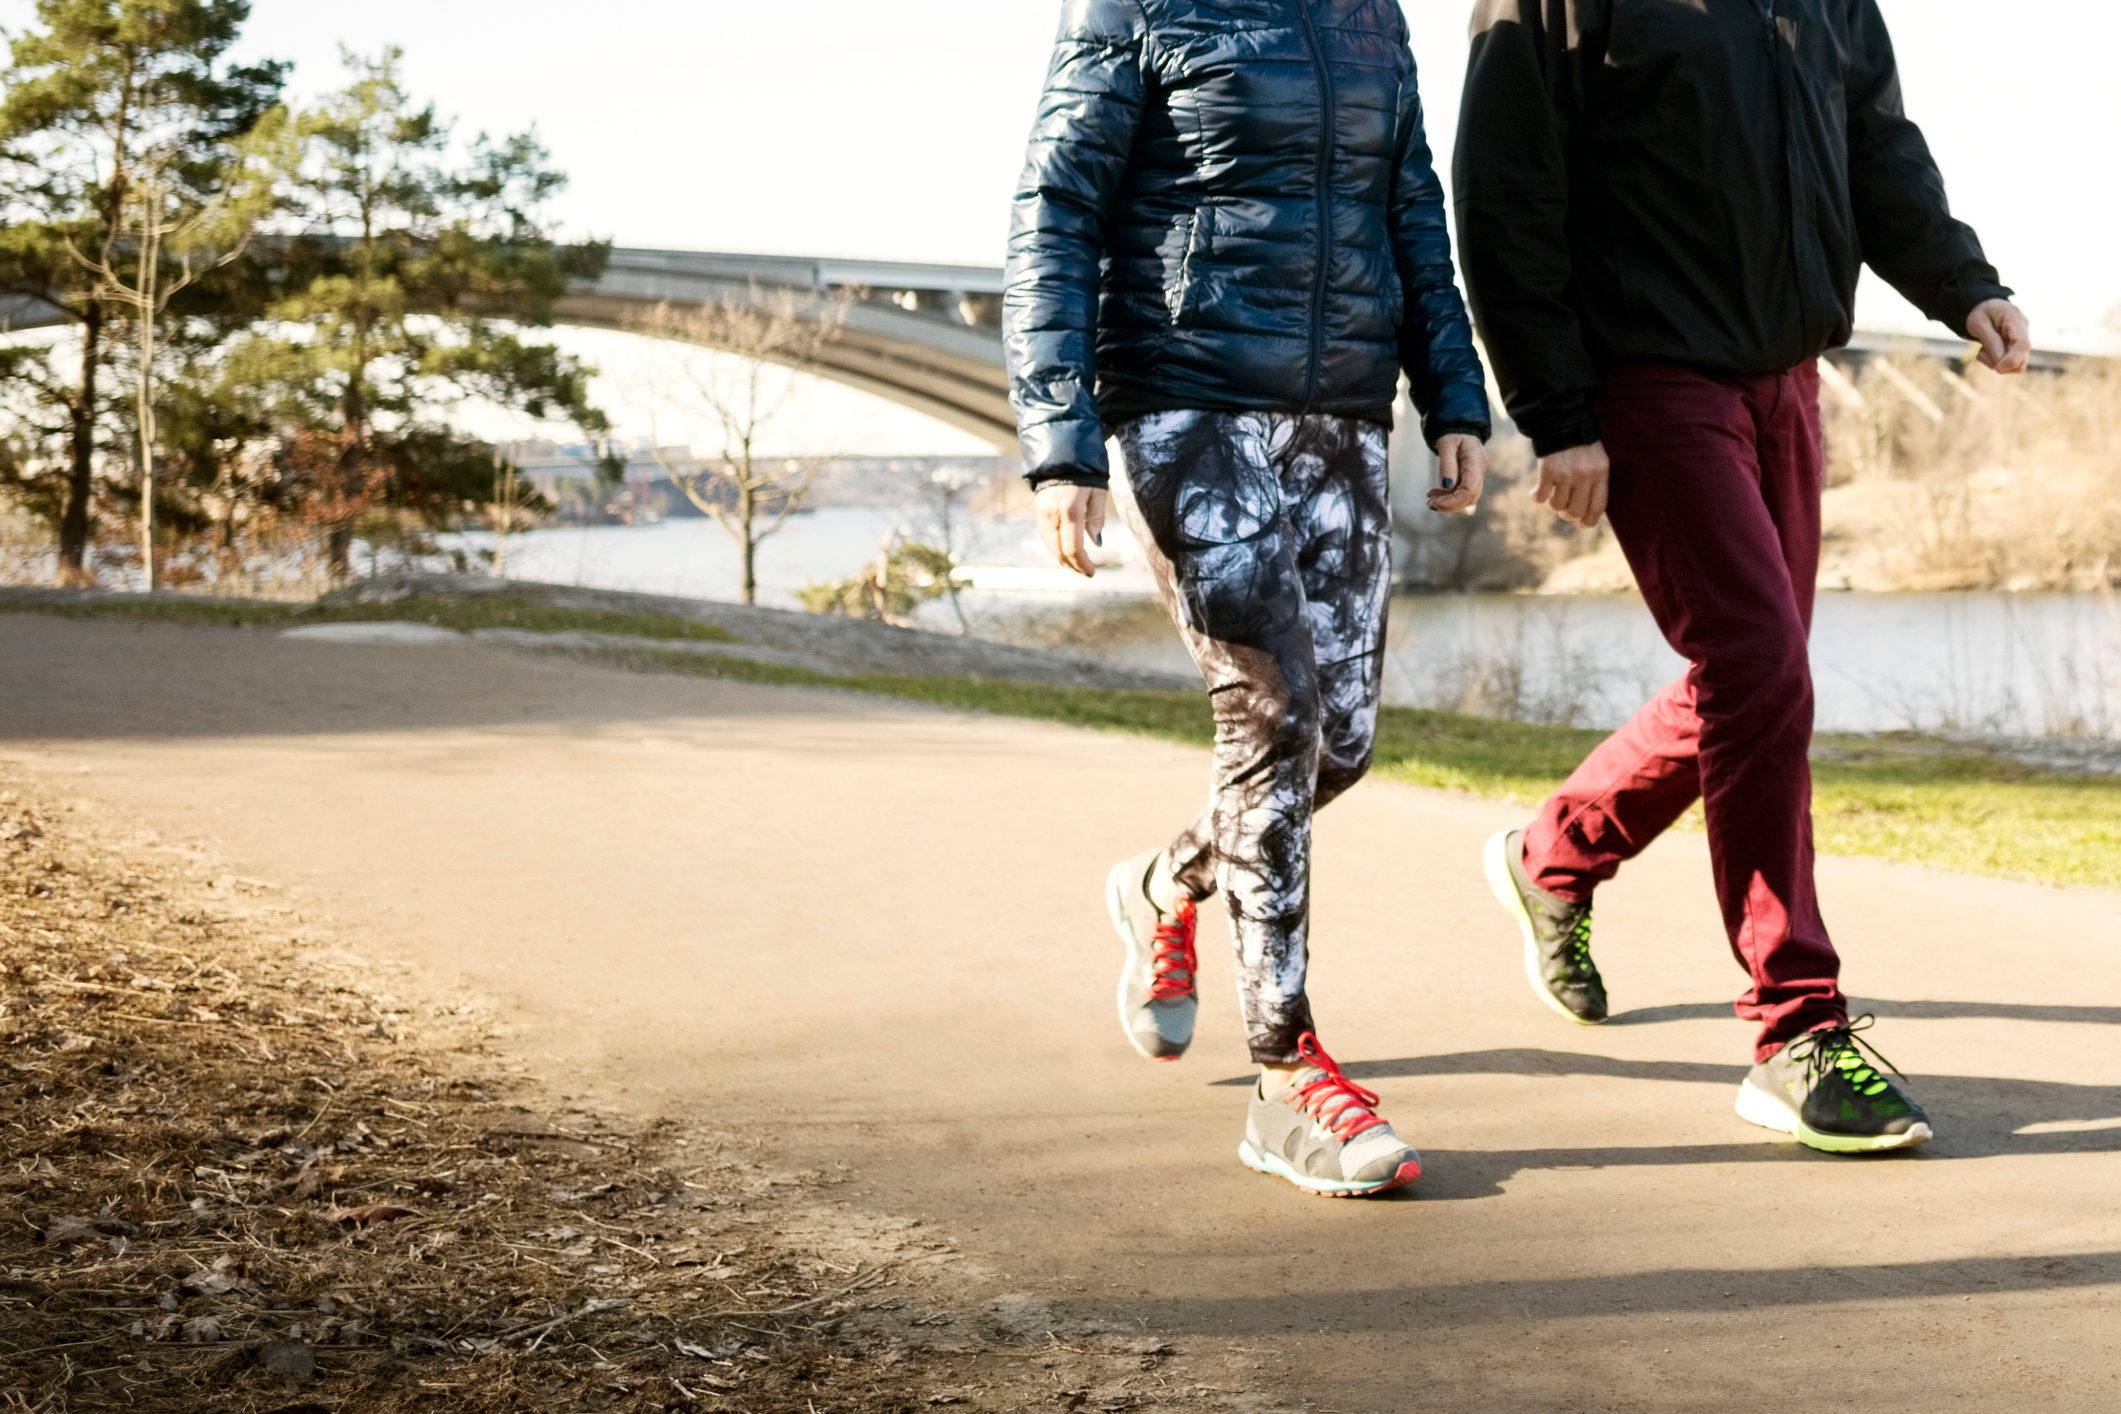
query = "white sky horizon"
{"x": 894, "y": 132}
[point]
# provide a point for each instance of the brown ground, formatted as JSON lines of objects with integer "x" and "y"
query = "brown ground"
{"x": 242, "y": 1177}
{"x": 867, "y": 937}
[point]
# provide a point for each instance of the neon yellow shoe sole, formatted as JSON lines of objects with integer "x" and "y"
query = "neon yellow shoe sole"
{"x": 1757, "y": 1106}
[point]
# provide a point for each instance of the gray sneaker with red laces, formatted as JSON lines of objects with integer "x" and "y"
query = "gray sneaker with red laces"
{"x": 1156, "y": 990}
{"x": 1322, "y": 1132}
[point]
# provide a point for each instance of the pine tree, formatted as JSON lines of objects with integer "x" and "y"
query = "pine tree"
{"x": 92, "y": 89}
{"x": 420, "y": 264}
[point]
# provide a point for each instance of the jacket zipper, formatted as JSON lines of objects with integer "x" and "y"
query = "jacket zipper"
{"x": 1772, "y": 37}
{"x": 1327, "y": 107}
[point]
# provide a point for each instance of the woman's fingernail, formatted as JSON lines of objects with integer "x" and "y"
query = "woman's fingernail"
{"x": 1097, "y": 538}
{"x": 1449, "y": 485}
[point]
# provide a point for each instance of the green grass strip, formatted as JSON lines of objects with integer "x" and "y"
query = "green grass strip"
{"x": 1903, "y": 798}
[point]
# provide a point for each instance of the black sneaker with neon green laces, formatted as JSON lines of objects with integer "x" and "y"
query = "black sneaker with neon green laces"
{"x": 1826, "y": 1089}
{"x": 1557, "y": 934}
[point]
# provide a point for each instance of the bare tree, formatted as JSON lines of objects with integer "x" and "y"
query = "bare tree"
{"x": 166, "y": 239}
{"x": 743, "y": 398}
{"x": 947, "y": 489}
{"x": 507, "y": 508}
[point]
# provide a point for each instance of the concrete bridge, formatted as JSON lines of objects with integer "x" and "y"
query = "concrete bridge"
{"x": 929, "y": 336}
{"x": 924, "y": 336}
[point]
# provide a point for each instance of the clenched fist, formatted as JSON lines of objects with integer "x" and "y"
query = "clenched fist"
{"x": 1573, "y": 484}
{"x": 2004, "y": 333}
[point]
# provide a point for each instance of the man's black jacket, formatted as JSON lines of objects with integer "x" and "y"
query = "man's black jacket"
{"x": 1689, "y": 181}
{"x": 1229, "y": 205}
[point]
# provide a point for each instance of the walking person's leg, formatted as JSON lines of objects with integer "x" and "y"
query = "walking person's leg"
{"x": 1335, "y": 475}
{"x": 1724, "y": 546}
{"x": 1721, "y": 573}
{"x": 1640, "y": 780}
{"x": 1812, "y": 1078}
{"x": 1632, "y": 788}
{"x": 1716, "y": 486}
{"x": 1205, "y": 505}
{"x": 1719, "y": 518}
{"x": 1228, "y": 509}
{"x": 1627, "y": 792}
{"x": 1340, "y": 478}
{"x": 1340, "y": 498}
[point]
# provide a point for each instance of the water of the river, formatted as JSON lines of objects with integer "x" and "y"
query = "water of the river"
{"x": 2004, "y": 664}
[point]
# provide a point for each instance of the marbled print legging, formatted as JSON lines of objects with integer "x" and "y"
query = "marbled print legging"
{"x": 1270, "y": 538}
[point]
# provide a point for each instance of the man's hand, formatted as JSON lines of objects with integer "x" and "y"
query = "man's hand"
{"x": 1573, "y": 484}
{"x": 2004, "y": 333}
{"x": 1070, "y": 520}
{"x": 1461, "y": 474}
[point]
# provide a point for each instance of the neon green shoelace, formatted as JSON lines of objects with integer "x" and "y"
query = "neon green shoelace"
{"x": 1861, "y": 1075}
{"x": 1578, "y": 939}
{"x": 1838, "y": 1048}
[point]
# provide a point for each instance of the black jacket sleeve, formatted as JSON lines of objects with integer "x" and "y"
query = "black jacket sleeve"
{"x": 1078, "y": 154}
{"x": 1902, "y": 218}
{"x": 1435, "y": 338}
{"x": 1523, "y": 93}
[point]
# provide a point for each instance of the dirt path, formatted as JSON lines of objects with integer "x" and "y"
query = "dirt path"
{"x": 871, "y": 934}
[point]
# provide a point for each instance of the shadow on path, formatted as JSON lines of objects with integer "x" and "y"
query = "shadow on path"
{"x": 1709, "y": 1290}
{"x": 1978, "y": 1117}
{"x": 1895, "y": 1011}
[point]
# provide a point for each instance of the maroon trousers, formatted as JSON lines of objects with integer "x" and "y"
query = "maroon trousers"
{"x": 1715, "y": 500}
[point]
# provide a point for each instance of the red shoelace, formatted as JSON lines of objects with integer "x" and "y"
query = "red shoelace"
{"x": 1341, "y": 1107}
{"x": 1174, "y": 958}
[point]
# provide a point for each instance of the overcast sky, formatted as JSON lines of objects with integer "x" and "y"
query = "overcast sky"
{"x": 893, "y": 128}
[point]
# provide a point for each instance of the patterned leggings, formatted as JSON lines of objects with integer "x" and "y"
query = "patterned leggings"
{"x": 1270, "y": 538}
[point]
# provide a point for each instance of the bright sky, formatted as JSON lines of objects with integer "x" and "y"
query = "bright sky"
{"x": 893, "y": 129}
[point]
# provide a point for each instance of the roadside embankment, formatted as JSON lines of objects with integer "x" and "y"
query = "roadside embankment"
{"x": 820, "y": 645}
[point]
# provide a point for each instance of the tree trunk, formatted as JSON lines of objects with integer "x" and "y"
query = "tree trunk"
{"x": 353, "y": 454}
{"x": 338, "y": 552}
{"x": 353, "y": 465}
{"x": 225, "y": 553}
{"x": 747, "y": 506}
{"x": 81, "y": 480}
{"x": 949, "y": 520}
{"x": 145, "y": 404}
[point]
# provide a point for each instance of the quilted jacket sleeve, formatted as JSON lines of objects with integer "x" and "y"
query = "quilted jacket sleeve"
{"x": 1511, "y": 182}
{"x": 1078, "y": 155}
{"x": 1435, "y": 339}
{"x": 1902, "y": 218}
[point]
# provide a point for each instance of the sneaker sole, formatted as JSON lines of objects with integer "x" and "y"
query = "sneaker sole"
{"x": 1496, "y": 865}
{"x": 1259, "y": 1161}
{"x": 1757, "y": 1106}
{"x": 1116, "y": 908}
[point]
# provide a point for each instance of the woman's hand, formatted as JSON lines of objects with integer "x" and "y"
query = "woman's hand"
{"x": 1461, "y": 474}
{"x": 1070, "y": 520}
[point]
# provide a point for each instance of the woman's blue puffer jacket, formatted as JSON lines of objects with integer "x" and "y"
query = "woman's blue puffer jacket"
{"x": 1229, "y": 206}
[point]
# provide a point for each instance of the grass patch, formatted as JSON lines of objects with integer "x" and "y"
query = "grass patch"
{"x": 465, "y": 615}
{"x": 1906, "y": 799}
